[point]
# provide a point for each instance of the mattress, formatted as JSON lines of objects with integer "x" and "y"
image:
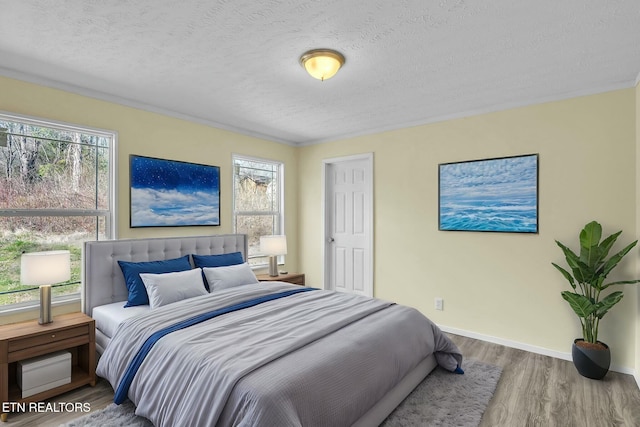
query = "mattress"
{"x": 108, "y": 317}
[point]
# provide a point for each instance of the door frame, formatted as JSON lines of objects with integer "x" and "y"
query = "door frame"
{"x": 326, "y": 248}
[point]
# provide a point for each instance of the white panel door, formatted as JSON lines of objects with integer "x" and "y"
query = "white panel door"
{"x": 348, "y": 225}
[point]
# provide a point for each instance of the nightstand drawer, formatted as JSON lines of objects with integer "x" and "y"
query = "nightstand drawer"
{"x": 297, "y": 280}
{"x": 47, "y": 338}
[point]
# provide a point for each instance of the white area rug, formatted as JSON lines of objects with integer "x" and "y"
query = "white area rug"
{"x": 448, "y": 400}
{"x": 442, "y": 399}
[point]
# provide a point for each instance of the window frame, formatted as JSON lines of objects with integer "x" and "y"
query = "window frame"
{"x": 110, "y": 214}
{"x": 280, "y": 213}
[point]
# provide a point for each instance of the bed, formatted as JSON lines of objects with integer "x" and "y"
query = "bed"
{"x": 289, "y": 356}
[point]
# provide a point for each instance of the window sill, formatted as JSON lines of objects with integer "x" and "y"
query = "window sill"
{"x": 31, "y": 310}
{"x": 258, "y": 266}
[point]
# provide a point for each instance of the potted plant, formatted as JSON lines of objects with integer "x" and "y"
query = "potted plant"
{"x": 589, "y": 270}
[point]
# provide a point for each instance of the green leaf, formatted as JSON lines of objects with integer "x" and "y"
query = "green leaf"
{"x": 615, "y": 259}
{"x": 608, "y": 302}
{"x": 568, "y": 253}
{"x": 607, "y": 244}
{"x": 577, "y": 267}
{"x": 598, "y": 282}
{"x": 589, "y": 241}
{"x": 580, "y": 304}
{"x": 566, "y": 275}
{"x": 621, "y": 282}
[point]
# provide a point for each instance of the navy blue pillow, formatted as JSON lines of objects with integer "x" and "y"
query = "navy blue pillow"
{"x": 131, "y": 271}
{"x": 224, "y": 260}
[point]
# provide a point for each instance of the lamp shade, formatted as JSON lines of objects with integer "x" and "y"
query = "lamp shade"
{"x": 45, "y": 268}
{"x": 273, "y": 245}
{"x": 322, "y": 63}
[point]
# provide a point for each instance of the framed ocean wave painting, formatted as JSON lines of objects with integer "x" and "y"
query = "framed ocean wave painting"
{"x": 170, "y": 193}
{"x": 498, "y": 195}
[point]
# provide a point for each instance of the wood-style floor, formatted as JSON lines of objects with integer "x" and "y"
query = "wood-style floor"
{"x": 534, "y": 390}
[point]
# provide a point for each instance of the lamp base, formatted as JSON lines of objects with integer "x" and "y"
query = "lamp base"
{"x": 273, "y": 266}
{"x": 45, "y": 305}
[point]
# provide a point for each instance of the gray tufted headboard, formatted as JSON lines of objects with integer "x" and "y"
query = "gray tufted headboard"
{"x": 102, "y": 279}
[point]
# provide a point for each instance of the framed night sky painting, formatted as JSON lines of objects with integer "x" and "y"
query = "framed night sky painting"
{"x": 489, "y": 195}
{"x": 169, "y": 193}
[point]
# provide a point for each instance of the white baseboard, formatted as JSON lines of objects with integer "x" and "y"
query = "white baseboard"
{"x": 532, "y": 349}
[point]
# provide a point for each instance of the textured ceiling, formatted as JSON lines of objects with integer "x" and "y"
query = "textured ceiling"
{"x": 234, "y": 64}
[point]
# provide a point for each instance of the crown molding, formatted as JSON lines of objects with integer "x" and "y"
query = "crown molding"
{"x": 102, "y": 96}
{"x": 78, "y": 90}
{"x": 480, "y": 111}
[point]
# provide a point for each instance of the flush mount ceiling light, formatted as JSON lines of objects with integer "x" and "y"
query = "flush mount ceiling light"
{"x": 322, "y": 63}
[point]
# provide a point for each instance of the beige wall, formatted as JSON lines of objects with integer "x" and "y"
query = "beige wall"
{"x": 498, "y": 285}
{"x": 150, "y": 134}
{"x": 637, "y": 112}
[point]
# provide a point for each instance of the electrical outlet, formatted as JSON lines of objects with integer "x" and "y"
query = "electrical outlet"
{"x": 439, "y": 302}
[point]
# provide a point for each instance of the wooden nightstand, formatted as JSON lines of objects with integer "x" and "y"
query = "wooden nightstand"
{"x": 295, "y": 278}
{"x": 73, "y": 332}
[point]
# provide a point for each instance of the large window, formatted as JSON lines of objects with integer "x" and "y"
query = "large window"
{"x": 56, "y": 191}
{"x": 257, "y": 201}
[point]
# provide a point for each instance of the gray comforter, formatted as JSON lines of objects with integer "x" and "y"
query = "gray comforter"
{"x": 316, "y": 358}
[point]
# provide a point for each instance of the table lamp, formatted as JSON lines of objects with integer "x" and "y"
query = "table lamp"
{"x": 44, "y": 269}
{"x": 273, "y": 246}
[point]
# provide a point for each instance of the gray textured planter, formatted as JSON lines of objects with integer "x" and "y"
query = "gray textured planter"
{"x": 591, "y": 363}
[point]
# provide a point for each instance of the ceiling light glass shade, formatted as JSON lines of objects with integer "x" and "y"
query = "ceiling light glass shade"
{"x": 322, "y": 64}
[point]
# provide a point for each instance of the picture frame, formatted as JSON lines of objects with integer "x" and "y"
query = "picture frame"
{"x": 172, "y": 193}
{"x": 490, "y": 195}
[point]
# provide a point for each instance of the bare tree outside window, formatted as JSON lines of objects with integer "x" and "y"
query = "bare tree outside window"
{"x": 257, "y": 202}
{"x": 55, "y": 193}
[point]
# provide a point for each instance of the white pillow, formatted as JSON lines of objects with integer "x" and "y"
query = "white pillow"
{"x": 229, "y": 276}
{"x": 166, "y": 288}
